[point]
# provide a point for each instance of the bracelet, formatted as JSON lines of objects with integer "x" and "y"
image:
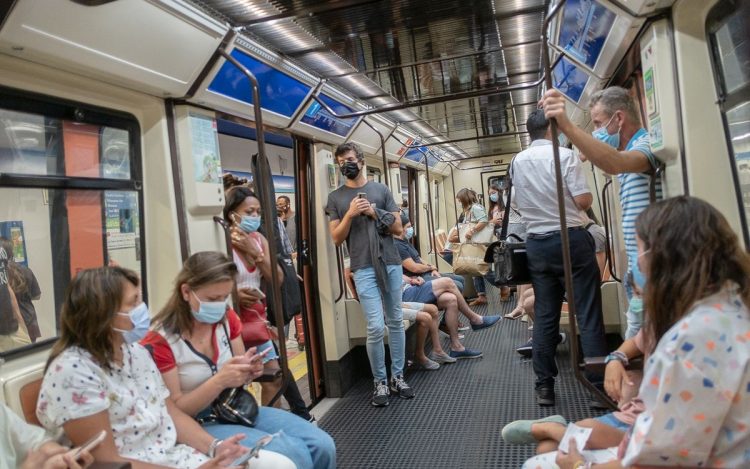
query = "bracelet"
{"x": 212, "y": 447}
{"x": 618, "y": 356}
{"x": 582, "y": 465}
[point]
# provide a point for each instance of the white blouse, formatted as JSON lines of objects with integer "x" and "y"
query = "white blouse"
{"x": 75, "y": 386}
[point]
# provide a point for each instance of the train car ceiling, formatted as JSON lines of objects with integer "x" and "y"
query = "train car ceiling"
{"x": 135, "y": 53}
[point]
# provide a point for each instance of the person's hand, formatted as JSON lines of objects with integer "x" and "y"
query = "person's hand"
{"x": 568, "y": 461}
{"x": 248, "y": 297}
{"x": 242, "y": 242}
{"x": 417, "y": 281}
{"x": 358, "y": 207}
{"x": 497, "y": 220}
{"x": 222, "y": 462}
{"x": 236, "y": 372}
{"x": 553, "y": 104}
{"x": 469, "y": 233}
{"x": 54, "y": 456}
{"x": 435, "y": 273}
{"x": 231, "y": 448}
{"x": 615, "y": 378}
{"x": 256, "y": 360}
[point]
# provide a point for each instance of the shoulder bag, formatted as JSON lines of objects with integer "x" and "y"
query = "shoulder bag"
{"x": 233, "y": 405}
{"x": 508, "y": 255}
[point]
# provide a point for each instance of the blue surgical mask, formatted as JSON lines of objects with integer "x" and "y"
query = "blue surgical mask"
{"x": 636, "y": 304}
{"x": 141, "y": 320}
{"x": 638, "y": 278}
{"x": 409, "y": 233}
{"x": 603, "y": 135}
{"x": 249, "y": 223}
{"x": 494, "y": 197}
{"x": 210, "y": 312}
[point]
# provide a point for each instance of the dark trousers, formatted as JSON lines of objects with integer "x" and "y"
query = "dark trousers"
{"x": 545, "y": 262}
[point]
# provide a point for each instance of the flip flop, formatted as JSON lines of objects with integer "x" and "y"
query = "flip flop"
{"x": 515, "y": 314}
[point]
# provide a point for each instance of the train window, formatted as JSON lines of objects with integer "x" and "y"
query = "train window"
{"x": 70, "y": 199}
{"x": 729, "y": 35}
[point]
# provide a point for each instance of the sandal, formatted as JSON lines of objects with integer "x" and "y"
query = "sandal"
{"x": 480, "y": 300}
{"x": 515, "y": 314}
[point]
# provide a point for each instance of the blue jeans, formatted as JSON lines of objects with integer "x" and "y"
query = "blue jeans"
{"x": 479, "y": 285}
{"x": 545, "y": 260}
{"x": 305, "y": 444}
{"x": 373, "y": 302}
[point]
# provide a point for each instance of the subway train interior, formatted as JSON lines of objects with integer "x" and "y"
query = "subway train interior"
{"x": 120, "y": 121}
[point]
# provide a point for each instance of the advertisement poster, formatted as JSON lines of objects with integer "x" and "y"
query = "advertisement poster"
{"x": 13, "y": 230}
{"x": 205, "y": 144}
{"x": 121, "y": 219}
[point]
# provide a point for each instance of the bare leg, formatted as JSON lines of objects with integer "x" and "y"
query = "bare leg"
{"x": 269, "y": 390}
{"x": 528, "y": 302}
{"x": 449, "y": 303}
{"x": 423, "y": 327}
{"x": 433, "y": 311}
{"x": 603, "y": 436}
{"x": 440, "y": 286}
{"x": 546, "y": 446}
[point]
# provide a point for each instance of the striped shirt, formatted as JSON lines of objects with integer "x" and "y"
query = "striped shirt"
{"x": 634, "y": 191}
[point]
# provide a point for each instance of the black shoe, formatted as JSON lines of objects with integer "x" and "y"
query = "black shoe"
{"x": 595, "y": 402}
{"x": 380, "y": 395}
{"x": 545, "y": 396}
{"x": 525, "y": 349}
{"x": 399, "y": 386}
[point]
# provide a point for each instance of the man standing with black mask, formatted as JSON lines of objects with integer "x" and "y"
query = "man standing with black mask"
{"x": 364, "y": 214}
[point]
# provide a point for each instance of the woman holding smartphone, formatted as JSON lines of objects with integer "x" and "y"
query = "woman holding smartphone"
{"x": 197, "y": 346}
{"x": 99, "y": 378}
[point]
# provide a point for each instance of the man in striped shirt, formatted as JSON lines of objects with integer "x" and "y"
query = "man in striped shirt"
{"x": 619, "y": 145}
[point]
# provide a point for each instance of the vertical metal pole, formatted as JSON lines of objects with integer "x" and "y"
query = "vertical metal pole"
{"x": 268, "y": 207}
{"x": 430, "y": 222}
{"x": 564, "y": 238}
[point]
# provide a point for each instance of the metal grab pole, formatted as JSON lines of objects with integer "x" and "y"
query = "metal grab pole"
{"x": 564, "y": 238}
{"x": 262, "y": 170}
{"x": 430, "y": 221}
{"x": 382, "y": 147}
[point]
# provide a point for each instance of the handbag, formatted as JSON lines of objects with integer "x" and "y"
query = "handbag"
{"x": 291, "y": 293}
{"x": 233, "y": 405}
{"x": 484, "y": 236}
{"x": 469, "y": 259}
{"x": 254, "y": 326}
{"x": 508, "y": 255}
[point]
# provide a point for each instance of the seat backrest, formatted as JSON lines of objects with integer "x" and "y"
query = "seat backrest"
{"x": 28, "y": 395}
{"x": 439, "y": 238}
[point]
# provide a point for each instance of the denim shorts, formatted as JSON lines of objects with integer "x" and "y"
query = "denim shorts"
{"x": 411, "y": 310}
{"x": 272, "y": 355}
{"x": 419, "y": 294}
{"x": 611, "y": 420}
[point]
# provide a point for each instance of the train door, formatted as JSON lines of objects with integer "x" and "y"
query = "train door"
{"x": 237, "y": 143}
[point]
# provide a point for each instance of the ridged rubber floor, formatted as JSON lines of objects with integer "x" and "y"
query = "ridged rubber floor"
{"x": 456, "y": 417}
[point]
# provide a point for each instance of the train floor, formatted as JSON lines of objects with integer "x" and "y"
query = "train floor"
{"x": 456, "y": 417}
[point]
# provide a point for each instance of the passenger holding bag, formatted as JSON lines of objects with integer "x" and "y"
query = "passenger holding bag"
{"x": 508, "y": 255}
{"x": 474, "y": 233}
{"x": 197, "y": 346}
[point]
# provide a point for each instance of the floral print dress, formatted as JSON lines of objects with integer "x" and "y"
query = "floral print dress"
{"x": 75, "y": 386}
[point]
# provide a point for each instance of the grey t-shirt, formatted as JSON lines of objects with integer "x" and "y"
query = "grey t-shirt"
{"x": 357, "y": 241}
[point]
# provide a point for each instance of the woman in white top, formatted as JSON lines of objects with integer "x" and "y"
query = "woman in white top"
{"x": 474, "y": 213}
{"x": 197, "y": 346}
{"x": 99, "y": 378}
{"x": 696, "y": 383}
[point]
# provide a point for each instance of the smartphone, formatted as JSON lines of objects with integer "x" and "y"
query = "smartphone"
{"x": 91, "y": 444}
{"x": 260, "y": 355}
{"x": 361, "y": 195}
{"x": 258, "y": 293}
{"x": 242, "y": 460}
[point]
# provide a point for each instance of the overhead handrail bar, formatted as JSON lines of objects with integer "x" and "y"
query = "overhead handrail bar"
{"x": 464, "y": 139}
{"x": 564, "y": 238}
{"x": 268, "y": 206}
{"x": 382, "y": 147}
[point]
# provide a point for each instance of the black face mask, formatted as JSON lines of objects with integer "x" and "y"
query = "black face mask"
{"x": 350, "y": 169}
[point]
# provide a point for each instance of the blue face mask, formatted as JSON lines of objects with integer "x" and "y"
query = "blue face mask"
{"x": 210, "y": 312}
{"x": 603, "y": 135}
{"x": 249, "y": 223}
{"x": 141, "y": 320}
{"x": 409, "y": 233}
{"x": 638, "y": 278}
{"x": 494, "y": 197}
{"x": 636, "y": 305}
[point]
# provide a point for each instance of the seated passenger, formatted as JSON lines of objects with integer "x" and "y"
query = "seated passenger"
{"x": 426, "y": 317}
{"x": 197, "y": 346}
{"x": 444, "y": 293}
{"x": 697, "y": 304}
{"x": 413, "y": 265}
{"x": 99, "y": 378}
{"x": 30, "y": 447}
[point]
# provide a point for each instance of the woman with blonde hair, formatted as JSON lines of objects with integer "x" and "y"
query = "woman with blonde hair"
{"x": 474, "y": 212}
{"x": 197, "y": 346}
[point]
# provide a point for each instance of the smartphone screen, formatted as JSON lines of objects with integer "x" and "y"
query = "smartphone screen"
{"x": 362, "y": 195}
